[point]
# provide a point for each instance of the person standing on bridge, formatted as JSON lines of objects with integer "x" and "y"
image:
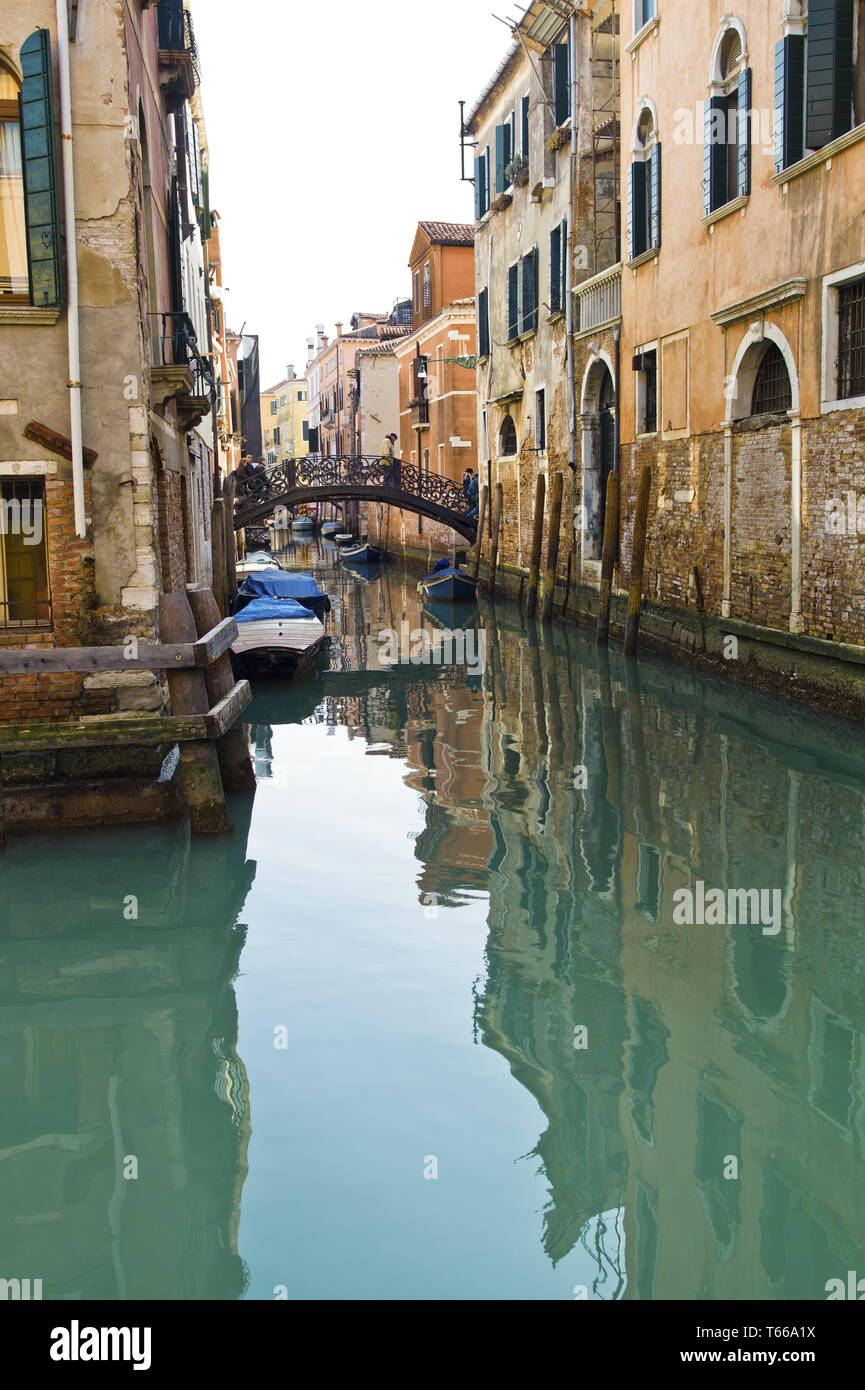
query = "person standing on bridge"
{"x": 388, "y": 456}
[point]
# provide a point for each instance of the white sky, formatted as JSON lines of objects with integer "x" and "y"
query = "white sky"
{"x": 333, "y": 128}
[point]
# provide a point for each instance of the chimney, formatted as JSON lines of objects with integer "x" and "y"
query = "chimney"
{"x": 339, "y": 330}
{"x": 324, "y": 341}
{"x": 319, "y": 336}
{"x": 310, "y": 350}
{"x": 290, "y": 373}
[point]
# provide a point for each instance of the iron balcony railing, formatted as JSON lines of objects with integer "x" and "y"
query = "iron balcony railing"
{"x": 176, "y": 34}
{"x": 179, "y": 348}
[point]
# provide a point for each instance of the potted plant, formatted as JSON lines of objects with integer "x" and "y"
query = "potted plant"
{"x": 517, "y": 172}
{"x": 559, "y": 138}
{"x": 502, "y": 201}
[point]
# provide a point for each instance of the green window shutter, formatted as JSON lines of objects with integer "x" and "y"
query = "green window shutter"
{"x": 483, "y": 324}
{"x": 744, "y": 135}
{"x": 789, "y": 101}
{"x": 513, "y": 302}
{"x": 715, "y": 154}
{"x": 524, "y": 121}
{"x": 479, "y": 188}
{"x": 530, "y": 292}
{"x": 41, "y": 197}
{"x": 565, "y": 253}
{"x": 501, "y": 157}
{"x": 655, "y": 196}
{"x": 830, "y": 71}
{"x": 204, "y": 215}
{"x": 555, "y": 270}
{"x": 561, "y": 82}
{"x": 638, "y": 226}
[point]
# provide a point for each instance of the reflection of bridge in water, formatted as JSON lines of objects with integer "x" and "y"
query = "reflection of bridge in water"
{"x": 355, "y": 477}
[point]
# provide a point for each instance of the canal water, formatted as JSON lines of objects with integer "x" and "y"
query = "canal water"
{"x": 434, "y": 1022}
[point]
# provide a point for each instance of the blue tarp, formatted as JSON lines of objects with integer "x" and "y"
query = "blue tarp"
{"x": 267, "y": 608}
{"x": 272, "y": 583}
{"x": 446, "y": 571}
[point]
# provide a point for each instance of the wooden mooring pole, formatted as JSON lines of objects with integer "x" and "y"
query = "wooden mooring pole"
{"x": 553, "y": 546}
{"x": 232, "y": 749}
{"x": 494, "y": 545}
{"x": 638, "y": 555}
{"x": 537, "y": 541}
{"x": 479, "y": 544}
{"x": 229, "y": 496}
{"x": 199, "y": 762}
{"x": 608, "y": 557}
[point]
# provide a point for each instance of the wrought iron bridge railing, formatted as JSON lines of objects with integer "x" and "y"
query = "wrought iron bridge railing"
{"x": 353, "y": 470}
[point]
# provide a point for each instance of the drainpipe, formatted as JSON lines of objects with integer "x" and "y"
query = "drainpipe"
{"x": 71, "y": 269}
{"x": 569, "y": 271}
{"x": 489, "y": 389}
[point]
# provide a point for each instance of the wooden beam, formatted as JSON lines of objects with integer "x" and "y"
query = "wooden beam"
{"x": 175, "y": 656}
{"x": 56, "y": 443}
{"x": 113, "y": 731}
{"x": 221, "y": 718}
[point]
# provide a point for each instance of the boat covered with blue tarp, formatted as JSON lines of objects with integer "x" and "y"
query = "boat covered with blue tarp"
{"x": 282, "y": 585}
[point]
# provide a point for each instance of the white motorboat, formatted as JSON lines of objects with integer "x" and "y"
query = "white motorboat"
{"x": 276, "y": 637}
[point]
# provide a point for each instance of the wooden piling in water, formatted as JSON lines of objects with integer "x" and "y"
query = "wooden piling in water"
{"x": 232, "y": 749}
{"x": 494, "y": 547}
{"x": 638, "y": 555}
{"x": 199, "y": 762}
{"x": 479, "y": 544}
{"x": 608, "y": 558}
{"x": 229, "y": 495}
{"x": 537, "y": 542}
{"x": 556, "y": 491}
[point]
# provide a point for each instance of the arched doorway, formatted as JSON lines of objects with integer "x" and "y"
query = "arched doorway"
{"x": 598, "y": 431}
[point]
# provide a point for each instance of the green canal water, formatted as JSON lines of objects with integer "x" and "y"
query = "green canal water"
{"x": 430, "y": 1023}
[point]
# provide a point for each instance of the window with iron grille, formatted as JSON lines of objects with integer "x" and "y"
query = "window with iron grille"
{"x": 427, "y": 288}
{"x": 772, "y": 393}
{"x": 25, "y": 597}
{"x": 851, "y": 340}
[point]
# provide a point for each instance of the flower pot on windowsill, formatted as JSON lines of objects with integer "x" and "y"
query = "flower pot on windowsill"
{"x": 517, "y": 172}
{"x": 501, "y": 202}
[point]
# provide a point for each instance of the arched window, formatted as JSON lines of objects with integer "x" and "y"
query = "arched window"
{"x": 644, "y": 185}
{"x": 728, "y": 120}
{"x": 14, "y": 280}
{"x": 507, "y": 438}
{"x": 772, "y": 391}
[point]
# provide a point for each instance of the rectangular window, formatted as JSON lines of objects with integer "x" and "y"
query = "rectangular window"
{"x": 306, "y": 431}
{"x": 427, "y": 289}
{"x": 829, "y": 71}
{"x": 25, "y": 597}
{"x": 851, "y": 340}
{"x": 484, "y": 323}
{"x": 524, "y": 127}
{"x": 541, "y": 420}
{"x": 40, "y": 170}
{"x": 276, "y": 439}
{"x": 273, "y": 407}
{"x": 645, "y": 365}
{"x": 513, "y": 302}
{"x": 561, "y": 82}
{"x": 644, "y": 10}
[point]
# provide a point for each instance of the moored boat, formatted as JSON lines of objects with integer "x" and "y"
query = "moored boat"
{"x": 364, "y": 554}
{"x": 303, "y": 523}
{"x": 344, "y": 538}
{"x": 330, "y": 528}
{"x": 276, "y": 637}
{"x": 255, "y": 562}
{"x": 282, "y": 584}
{"x": 447, "y": 584}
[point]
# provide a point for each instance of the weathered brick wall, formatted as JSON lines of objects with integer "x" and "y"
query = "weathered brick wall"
{"x": 760, "y": 588}
{"x": 833, "y": 582}
{"x": 70, "y": 570}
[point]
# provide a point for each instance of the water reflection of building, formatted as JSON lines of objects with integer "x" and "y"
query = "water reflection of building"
{"x": 593, "y": 791}
{"x": 118, "y": 1041}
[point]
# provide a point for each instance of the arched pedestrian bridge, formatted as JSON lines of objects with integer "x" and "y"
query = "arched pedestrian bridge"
{"x": 348, "y": 477}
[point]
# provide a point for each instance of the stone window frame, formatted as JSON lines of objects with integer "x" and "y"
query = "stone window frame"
{"x": 506, "y": 415}
{"x": 829, "y": 400}
{"x": 640, "y": 392}
{"x": 744, "y": 370}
